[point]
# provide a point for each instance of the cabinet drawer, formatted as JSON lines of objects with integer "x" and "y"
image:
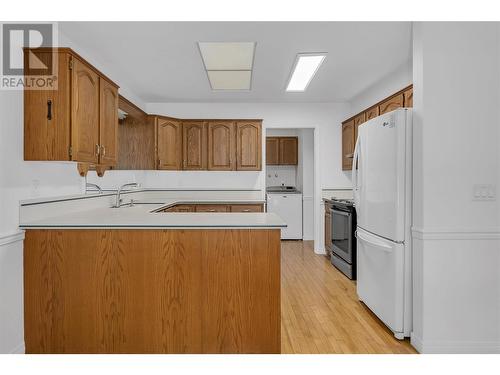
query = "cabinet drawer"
{"x": 246, "y": 208}
{"x": 212, "y": 208}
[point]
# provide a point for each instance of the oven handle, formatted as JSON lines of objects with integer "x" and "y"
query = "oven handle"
{"x": 338, "y": 212}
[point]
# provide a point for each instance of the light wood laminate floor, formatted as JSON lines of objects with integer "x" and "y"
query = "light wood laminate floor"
{"x": 320, "y": 311}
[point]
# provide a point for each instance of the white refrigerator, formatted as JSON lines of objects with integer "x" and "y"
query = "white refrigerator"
{"x": 382, "y": 187}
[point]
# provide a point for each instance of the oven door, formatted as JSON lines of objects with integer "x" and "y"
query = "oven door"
{"x": 342, "y": 242}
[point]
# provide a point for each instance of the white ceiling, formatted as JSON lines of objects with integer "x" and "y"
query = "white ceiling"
{"x": 162, "y": 63}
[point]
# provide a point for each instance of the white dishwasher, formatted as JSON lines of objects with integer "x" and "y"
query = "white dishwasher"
{"x": 288, "y": 206}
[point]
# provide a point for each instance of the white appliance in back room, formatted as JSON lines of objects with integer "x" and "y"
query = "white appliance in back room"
{"x": 382, "y": 184}
{"x": 286, "y": 202}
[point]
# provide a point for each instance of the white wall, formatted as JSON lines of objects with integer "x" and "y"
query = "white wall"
{"x": 307, "y": 184}
{"x": 456, "y": 240}
{"x": 393, "y": 82}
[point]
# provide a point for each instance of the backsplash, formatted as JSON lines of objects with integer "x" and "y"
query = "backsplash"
{"x": 277, "y": 175}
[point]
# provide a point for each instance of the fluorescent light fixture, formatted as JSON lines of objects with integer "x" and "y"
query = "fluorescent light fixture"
{"x": 230, "y": 79}
{"x": 305, "y": 67}
{"x": 228, "y": 64}
{"x": 227, "y": 56}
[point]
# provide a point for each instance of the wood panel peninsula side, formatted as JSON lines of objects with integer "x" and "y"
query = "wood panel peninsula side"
{"x": 152, "y": 291}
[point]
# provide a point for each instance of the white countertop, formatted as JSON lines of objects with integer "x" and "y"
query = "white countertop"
{"x": 141, "y": 217}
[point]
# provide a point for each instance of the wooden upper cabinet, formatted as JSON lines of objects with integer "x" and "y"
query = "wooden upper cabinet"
{"x": 391, "y": 104}
{"x": 78, "y": 119}
{"x": 169, "y": 143}
{"x": 408, "y": 97}
{"x": 84, "y": 113}
{"x": 249, "y": 145}
{"x": 288, "y": 150}
{"x": 47, "y": 112}
{"x": 347, "y": 144}
{"x": 221, "y": 145}
{"x": 371, "y": 113}
{"x": 358, "y": 120}
{"x": 194, "y": 141}
{"x": 108, "y": 123}
{"x": 272, "y": 150}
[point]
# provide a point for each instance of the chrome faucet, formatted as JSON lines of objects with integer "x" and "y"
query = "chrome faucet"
{"x": 118, "y": 193}
{"x": 97, "y": 187}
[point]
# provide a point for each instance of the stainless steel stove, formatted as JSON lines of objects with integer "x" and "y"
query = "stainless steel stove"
{"x": 343, "y": 254}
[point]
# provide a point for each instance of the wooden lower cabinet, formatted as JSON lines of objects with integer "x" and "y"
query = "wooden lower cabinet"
{"x": 212, "y": 208}
{"x": 215, "y": 208}
{"x": 247, "y": 208}
{"x": 152, "y": 291}
{"x": 180, "y": 208}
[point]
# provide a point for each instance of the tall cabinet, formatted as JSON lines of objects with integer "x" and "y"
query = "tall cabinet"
{"x": 78, "y": 120}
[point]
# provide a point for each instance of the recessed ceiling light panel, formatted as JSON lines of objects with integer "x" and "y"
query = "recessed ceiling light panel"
{"x": 230, "y": 79}
{"x": 228, "y": 64}
{"x": 305, "y": 67}
{"x": 227, "y": 56}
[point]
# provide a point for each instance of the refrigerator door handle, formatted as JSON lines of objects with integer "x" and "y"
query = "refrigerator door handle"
{"x": 355, "y": 171}
{"x": 380, "y": 244}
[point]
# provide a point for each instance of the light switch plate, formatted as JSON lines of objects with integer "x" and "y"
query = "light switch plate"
{"x": 484, "y": 192}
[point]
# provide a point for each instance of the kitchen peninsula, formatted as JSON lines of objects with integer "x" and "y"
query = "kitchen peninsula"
{"x": 141, "y": 279}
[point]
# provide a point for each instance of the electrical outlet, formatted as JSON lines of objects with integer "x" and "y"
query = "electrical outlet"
{"x": 484, "y": 192}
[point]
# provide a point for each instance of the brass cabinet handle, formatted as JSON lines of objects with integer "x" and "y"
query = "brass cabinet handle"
{"x": 97, "y": 149}
{"x": 103, "y": 151}
{"x": 246, "y": 210}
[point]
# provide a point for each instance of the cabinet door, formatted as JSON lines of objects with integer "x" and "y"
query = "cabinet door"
{"x": 184, "y": 208}
{"x": 272, "y": 150}
{"x": 246, "y": 208}
{"x": 347, "y": 144}
{"x": 108, "y": 123}
{"x": 212, "y": 208}
{"x": 194, "y": 140}
{"x": 408, "y": 97}
{"x": 328, "y": 230}
{"x": 371, "y": 113}
{"x": 47, "y": 112}
{"x": 288, "y": 150}
{"x": 358, "y": 120}
{"x": 391, "y": 104}
{"x": 221, "y": 146}
{"x": 169, "y": 144}
{"x": 248, "y": 146}
{"x": 84, "y": 113}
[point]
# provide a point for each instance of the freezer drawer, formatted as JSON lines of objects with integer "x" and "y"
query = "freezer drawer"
{"x": 380, "y": 272}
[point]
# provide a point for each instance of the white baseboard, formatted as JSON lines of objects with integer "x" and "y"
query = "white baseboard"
{"x": 454, "y": 347}
{"x": 20, "y": 349}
